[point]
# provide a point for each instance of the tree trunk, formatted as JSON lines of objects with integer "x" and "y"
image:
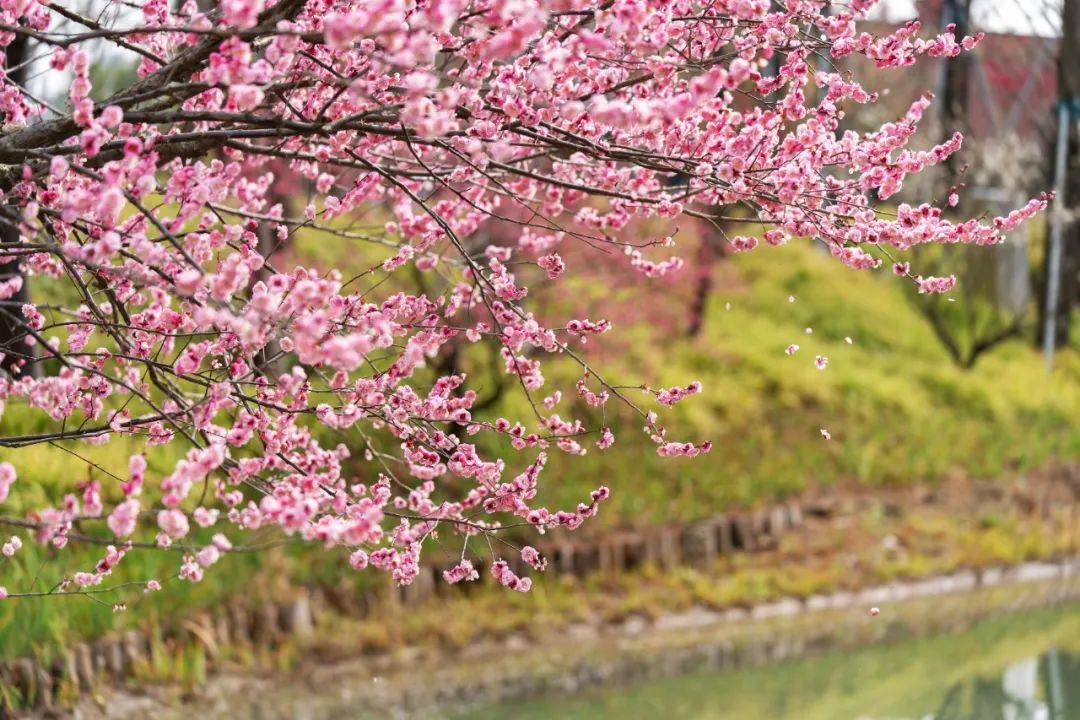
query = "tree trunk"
{"x": 710, "y": 249}
{"x": 1068, "y": 92}
{"x": 955, "y": 85}
{"x": 18, "y": 353}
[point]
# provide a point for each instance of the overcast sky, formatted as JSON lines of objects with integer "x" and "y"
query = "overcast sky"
{"x": 1025, "y": 17}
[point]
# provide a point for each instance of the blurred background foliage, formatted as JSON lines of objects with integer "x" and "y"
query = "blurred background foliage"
{"x": 900, "y": 411}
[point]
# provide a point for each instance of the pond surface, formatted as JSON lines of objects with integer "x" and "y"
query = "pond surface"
{"x": 1017, "y": 667}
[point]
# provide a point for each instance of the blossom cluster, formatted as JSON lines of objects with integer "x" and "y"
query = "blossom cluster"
{"x": 307, "y": 402}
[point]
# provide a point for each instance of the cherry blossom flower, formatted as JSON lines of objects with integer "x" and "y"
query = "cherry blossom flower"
{"x": 464, "y": 570}
{"x": 492, "y": 144}
{"x": 11, "y": 546}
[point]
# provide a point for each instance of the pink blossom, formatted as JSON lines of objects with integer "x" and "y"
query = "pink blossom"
{"x": 111, "y": 116}
{"x": 208, "y": 556}
{"x": 673, "y": 395}
{"x": 205, "y": 517}
{"x": 9, "y": 287}
{"x": 123, "y": 518}
{"x": 607, "y": 438}
{"x": 358, "y": 559}
{"x": 464, "y": 570}
{"x": 742, "y": 243}
{"x": 136, "y": 468}
{"x": 506, "y": 577}
{"x": 495, "y": 155}
{"x": 11, "y": 546}
{"x": 190, "y": 570}
{"x": 553, "y": 264}
{"x": 241, "y": 13}
{"x": 173, "y": 523}
{"x": 246, "y": 97}
{"x": 7, "y": 477}
{"x": 342, "y": 28}
{"x": 936, "y": 284}
{"x": 531, "y": 556}
{"x": 85, "y": 579}
{"x": 677, "y": 449}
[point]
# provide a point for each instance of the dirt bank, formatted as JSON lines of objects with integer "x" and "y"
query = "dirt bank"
{"x": 403, "y": 685}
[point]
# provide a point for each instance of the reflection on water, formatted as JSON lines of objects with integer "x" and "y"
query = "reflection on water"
{"x": 1044, "y": 687}
{"x": 1018, "y": 667}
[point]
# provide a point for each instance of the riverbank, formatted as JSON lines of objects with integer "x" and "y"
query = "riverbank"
{"x": 1023, "y": 664}
{"x": 833, "y": 543}
{"x": 902, "y": 419}
{"x": 406, "y": 685}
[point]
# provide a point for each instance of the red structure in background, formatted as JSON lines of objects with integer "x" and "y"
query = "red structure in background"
{"x": 1012, "y": 88}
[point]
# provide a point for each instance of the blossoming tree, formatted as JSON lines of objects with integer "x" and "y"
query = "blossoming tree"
{"x": 567, "y": 121}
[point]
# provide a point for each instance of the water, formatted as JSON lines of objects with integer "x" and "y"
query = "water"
{"x": 1018, "y": 667}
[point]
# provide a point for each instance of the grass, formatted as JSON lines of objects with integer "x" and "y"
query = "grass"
{"x": 898, "y": 410}
{"x": 816, "y": 560}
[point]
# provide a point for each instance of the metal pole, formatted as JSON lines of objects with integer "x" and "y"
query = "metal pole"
{"x": 1057, "y": 222}
{"x": 1054, "y": 685}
